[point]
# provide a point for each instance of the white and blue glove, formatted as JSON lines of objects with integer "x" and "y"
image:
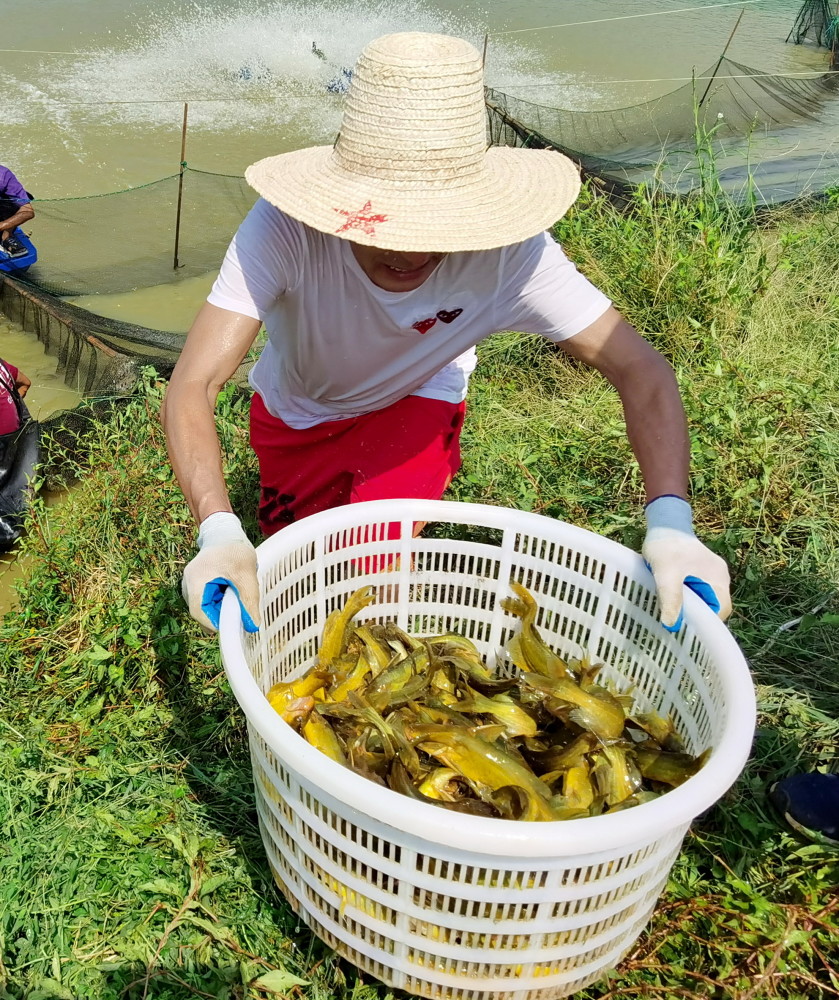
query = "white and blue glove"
{"x": 676, "y": 557}
{"x": 226, "y": 558}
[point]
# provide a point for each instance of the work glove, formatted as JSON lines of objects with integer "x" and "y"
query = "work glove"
{"x": 676, "y": 556}
{"x": 225, "y": 559}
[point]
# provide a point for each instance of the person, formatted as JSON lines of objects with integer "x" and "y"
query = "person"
{"x": 13, "y": 387}
{"x": 376, "y": 265}
{"x": 19, "y": 449}
{"x": 16, "y": 250}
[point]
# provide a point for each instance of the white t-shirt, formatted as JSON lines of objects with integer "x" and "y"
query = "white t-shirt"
{"x": 339, "y": 346}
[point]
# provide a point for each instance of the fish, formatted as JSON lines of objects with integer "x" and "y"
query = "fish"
{"x": 578, "y": 789}
{"x": 383, "y": 687}
{"x": 442, "y": 783}
{"x": 511, "y": 801}
{"x": 320, "y": 734}
{"x": 515, "y": 720}
{"x": 426, "y": 717}
{"x": 593, "y": 712}
{"x": 535, "y": 652}
{"x": 479, "y": 677}
{"x": 559, "y": 758}
{"x": 379, "y": 653}
{"x": 668, "y": 768}
{"x": 284, "y": 697}
{"x": 660, "y": 729}
{"x": 482, "y": 763}
{"x": 390, "y": 632}
{"x": 637, "y": 799}
{"x": 400, "y": 781}
{"x": 615, "y": 774}
{"x": 334, "y": 634}
{"x": 354, "y": 680}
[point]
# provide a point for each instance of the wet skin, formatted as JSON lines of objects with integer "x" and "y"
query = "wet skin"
{"x": 395, "y": 270}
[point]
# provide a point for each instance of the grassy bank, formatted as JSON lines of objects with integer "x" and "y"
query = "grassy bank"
{"x": 131, "y": 864}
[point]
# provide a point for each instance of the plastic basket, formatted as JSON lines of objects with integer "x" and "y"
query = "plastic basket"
{"x": 443, "y": 904}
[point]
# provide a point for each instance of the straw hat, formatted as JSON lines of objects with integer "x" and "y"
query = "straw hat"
{"x": 410, "y": 169}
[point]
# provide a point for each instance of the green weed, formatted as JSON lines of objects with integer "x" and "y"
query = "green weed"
{"x": 131, "y": 864}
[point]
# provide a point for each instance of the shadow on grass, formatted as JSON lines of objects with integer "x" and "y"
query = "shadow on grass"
{"x": 208, "y": 731}
{"x": 787, "y": 623}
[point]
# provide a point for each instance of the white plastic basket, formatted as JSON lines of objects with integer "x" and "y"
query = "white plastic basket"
{"x": 443, "y": 904}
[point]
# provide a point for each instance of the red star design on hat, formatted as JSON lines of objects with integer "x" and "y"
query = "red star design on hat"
{"x": 361, "y": 219}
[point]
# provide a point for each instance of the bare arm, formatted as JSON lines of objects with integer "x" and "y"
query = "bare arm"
{"x": 22, "y": 383}
{"x": 23, "y": 214}
{"x": 217, "y": 342}
{"x": 655, "y": 418}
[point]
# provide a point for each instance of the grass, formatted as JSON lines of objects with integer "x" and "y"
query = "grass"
{"x": 131, "y": 865}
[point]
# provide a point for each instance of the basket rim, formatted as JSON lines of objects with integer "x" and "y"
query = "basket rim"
{"x": 481, "y": 835}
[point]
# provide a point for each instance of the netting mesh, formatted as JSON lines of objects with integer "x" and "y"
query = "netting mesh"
{"x": 96, "y": 356}
{"x": 100, "y": 359}
{"x": 814, "y": 23}
{"x": 118, "y": 242}
{"x": 115, "y": 243}
{"x": 735, "y": 102}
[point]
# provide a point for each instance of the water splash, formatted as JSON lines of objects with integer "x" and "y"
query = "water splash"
{"x": 110, "y": 117}
{"x": 247, "y": 65}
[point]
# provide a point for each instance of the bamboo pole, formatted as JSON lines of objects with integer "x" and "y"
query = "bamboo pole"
{"x": 180, "y": 188}
{"x": 484, "y": 58}
{"x": 719, "y": 61}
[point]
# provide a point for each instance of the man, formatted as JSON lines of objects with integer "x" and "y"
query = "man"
{"x": 16, "y": 251}
{"x": 376, "y": 266}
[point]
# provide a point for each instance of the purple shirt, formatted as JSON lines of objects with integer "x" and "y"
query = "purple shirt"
{"x": 11, "y": 190}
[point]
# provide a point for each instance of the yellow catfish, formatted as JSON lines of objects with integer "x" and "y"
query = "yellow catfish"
{"x": 528, "y": 649}
{"x": 484, "y": 764}
{"x": 599, "y": 713}
{"x": 321, "y": 735}
{"x": 337, "y": 624}
{"x": 288, "y": 698}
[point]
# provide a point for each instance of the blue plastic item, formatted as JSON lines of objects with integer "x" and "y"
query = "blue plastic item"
{"x": 16, "y": 265}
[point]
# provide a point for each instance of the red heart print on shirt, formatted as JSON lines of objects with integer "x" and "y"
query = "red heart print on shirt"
{"x": 448, "y": 316}
{"x": 424, "y": 325}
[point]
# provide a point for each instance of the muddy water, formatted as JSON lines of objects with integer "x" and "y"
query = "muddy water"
{"x": 94, "y": 89}
{"x": 47, "y": 395}
{"x": 48, "y": 392}
{"x": 169, "y": 307}
{"x": 94, "y": 103}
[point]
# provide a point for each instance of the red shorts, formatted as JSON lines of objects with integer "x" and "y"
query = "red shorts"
{"x": 408, "y": 449}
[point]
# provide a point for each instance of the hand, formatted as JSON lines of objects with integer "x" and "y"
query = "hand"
{"x": 226, "y": 559}
{"x": 676, "y": 557}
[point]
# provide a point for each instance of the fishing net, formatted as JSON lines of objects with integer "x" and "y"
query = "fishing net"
{"x": 101, "y": 359}
{"x": 814, "y": 23}
{"x": 115, "y": 243}
{"x": 730, "y": 100}
{"x": 96, "y": 356}
{"x": 118, "y": 242}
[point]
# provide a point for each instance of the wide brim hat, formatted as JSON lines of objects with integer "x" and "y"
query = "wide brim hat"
{"x": 410, "y": 169}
